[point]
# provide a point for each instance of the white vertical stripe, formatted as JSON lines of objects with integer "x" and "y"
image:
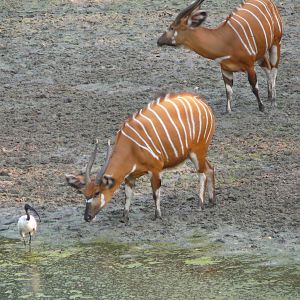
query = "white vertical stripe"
{"x": 200, "y": 117}
{"x": 180, "y": 120}
{"x": 236, "y": 32}
{"x": 191, "y": 114}
{"x": 245, "y": 33}
{"x": 143, "y": 147}
{"x": 142, "y": 139}
{"x": 206, "y": 119}
{"x": 252, "y": 35}
{"x": 211, "y": 122}
{"x": 131, "y": 171}
{"x": 277, "y": 14}
{"x": 174, "y": 125}
{"x": 164, "y": 127}
{"x": 267, "y": 9}
{"x": 157, "y": 135}
{"x": 187, "y": 116}
{"x": 271, "y": 31}
{"x": 146, "y": 132}
{"x": 258, "y": 20}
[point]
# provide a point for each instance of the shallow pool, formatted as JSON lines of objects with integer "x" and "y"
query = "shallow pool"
{"x": 106, "y": 270}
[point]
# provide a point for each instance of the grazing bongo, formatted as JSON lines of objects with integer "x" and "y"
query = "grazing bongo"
{"x": 160, "y": 136}
{"x": 251, "y": 34}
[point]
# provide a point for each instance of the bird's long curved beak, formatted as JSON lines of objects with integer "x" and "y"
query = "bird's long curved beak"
{"x": 31, "y": 208}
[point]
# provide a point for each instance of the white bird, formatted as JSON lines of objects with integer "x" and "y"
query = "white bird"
{"x": 27, "y": 224}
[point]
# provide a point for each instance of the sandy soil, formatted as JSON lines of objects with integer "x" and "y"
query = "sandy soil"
{"x": 71, "y": 71}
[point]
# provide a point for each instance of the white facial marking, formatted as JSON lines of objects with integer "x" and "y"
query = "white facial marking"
{"x": 102, "y": 201}
{"x": 175, "y": 34}
{"x": 108, "y": 175}
{"x": 89, "y": 200}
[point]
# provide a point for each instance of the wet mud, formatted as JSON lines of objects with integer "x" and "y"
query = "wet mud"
{"x": 71, "y": 71}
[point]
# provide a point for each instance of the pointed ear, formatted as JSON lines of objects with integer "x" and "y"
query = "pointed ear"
{"x": 108, "y": 181}
{"x": 75, "y": 181}
{"x": 197, "y": 18}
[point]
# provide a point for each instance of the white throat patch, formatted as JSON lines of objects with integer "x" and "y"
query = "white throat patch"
{"x": 173, "y": 37}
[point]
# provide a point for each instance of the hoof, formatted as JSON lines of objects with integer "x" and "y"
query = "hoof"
{"x": 228, "y": 111}
{"x": 200, "y": 206}
{"x": 261, "y": 107}
{"x": 157, "y": 216}
{"x": 125, "y": 218}
{"x": 212, "y": 202}
{"x": 273, "y": 103}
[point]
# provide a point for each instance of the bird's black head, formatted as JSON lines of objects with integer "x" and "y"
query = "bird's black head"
{"x": 28, "y": 207}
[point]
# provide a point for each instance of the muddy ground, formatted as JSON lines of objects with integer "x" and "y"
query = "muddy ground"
{"x": 71, "y": 71}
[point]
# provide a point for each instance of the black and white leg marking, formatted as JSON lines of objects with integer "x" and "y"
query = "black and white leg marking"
{"x": 269, "y": 82}
{"x": 254, "y": 85}
{"x": 273, "y": 79}
{"x": 156, "y": 184}
{"x": 202, "y": 179}
{"x": 129, "y": 191}
{"x": 274, "y": 60}
{"x": 210, "y": 186}
{"x": 228, "y": 80}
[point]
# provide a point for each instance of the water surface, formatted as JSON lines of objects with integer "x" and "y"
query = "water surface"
{"x": 106, "y": 270}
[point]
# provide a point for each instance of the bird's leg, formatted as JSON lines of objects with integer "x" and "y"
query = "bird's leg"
{"x": 29, "y": 238}
{"x": 24, "y": 241}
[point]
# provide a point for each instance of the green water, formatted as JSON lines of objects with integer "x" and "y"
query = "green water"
{"x": 103, "y": 270}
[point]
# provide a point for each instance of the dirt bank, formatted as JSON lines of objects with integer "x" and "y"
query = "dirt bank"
{"x": 71, "y": 71}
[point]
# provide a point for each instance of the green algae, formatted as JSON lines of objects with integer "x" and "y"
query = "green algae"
{"x": 124, "y": 271}
{"x": 200, "y": 261}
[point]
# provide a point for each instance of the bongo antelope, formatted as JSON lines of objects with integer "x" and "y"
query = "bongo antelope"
{"x": 251, "y": 34}
{"x": 27, "y": 224}
{"x": 158, "y": 137}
